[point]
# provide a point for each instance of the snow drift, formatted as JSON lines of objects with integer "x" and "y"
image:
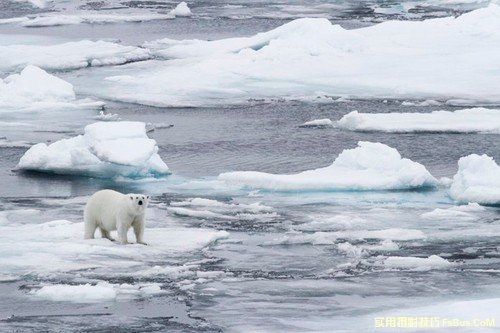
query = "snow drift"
{"x": 311, "y": 57}
{"x": 477, "y": 180}
{"x": 106, "y": 149}
{"x": 370, "y": 166}
{"x": 462, "y": 121}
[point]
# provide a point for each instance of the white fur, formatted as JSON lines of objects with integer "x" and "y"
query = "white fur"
{"x": 109, "y": 210}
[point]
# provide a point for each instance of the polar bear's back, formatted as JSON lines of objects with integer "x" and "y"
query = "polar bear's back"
{"x": 104, "y": 204}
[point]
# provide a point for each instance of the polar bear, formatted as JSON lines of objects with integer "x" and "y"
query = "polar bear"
{"x": 109, "y": 210}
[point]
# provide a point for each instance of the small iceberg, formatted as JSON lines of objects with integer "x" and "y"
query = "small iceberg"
{"x": 181, "y": 10}
{"x": 475, "y": 120}
{"x": 477, "y": 180}
{"x": 33, "y": 88}
{"x": 105, "y": 150}
{"x": 318, "y": 123}
{"x": 369, "y": 166}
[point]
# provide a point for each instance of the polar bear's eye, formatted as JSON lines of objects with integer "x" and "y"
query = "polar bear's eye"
{"x": 131, "y": 198}
{"x": 137, "y": 197}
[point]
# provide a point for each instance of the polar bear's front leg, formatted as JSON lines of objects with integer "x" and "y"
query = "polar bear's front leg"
{"x": 122, "y": 229}
{"x": 139, "y": 231}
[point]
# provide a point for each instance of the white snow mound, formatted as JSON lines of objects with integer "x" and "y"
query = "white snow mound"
{"x": 461, "y": 121}
{"x": 370, "y": 166}
{"x": 181, "y": 10}
{"x": 477, "y": 180}
{"x": 34, "y": 85}
{"x": 106, "y": 149}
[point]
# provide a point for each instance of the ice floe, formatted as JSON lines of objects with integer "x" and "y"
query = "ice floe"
{"x": 67, "y": 56}
{"x": 318, "y": 123}
{"x": 106, "y": 149}
{"x": 33, "y": 88}
{"x": 27, "y": 248}
{"x": 202, "y": 208}
{"x": 461, "y": 121}
{"x": 477, "y": 180}
{"x": 330, "y": 238}
{"x": 370, "y": 166}
{"x": 5, "y": 143}
{"x": 395, "y": 59}
{"x": 427, "y": 102}
{"x": 181, "y": 10}
{"x": 464, "y": 212}
{"x": 48, "y": 20}
{"x": 418, "y": 264}
{"x": 36, "y": 3}
{"x": 107, "y": 116}
{"x": 100, "y": 292}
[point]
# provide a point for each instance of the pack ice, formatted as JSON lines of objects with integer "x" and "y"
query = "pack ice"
{"x": 106, "y": 149}
{"x": 396, "y": 59}
{"x": 49, "y": 20}
{"x": 477, "y": 180}
{"x": 464, "y": 121}
{"x": 369, "y": 166}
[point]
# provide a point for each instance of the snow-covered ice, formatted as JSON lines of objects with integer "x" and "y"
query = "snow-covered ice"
{"x": 27, "y": 248}
{"x": 212, "y": 209}
{"x": 427, "y": 102}
{"x": 462, "y": 212}
{"x": 35, "y": 3}
{"x": 395, "y": 59}
{"x": 477, "y": 180}
{"x": 33, "y": 88}
{"x": 418, "y": 264}
{"x": 370, "y": 166}
{"x": 70, "y": 55}
{"x": 106, "y": 149}
{"x": 329, "y": 238}
{"x": 181, "y": 10}
{"x": 48, "y": 20}
{"x": 318, "y": 123}
{"x": 461, "y": 121}
{"x": 100, "y": 292}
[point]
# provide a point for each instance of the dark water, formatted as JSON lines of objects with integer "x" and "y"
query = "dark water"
{"x": 304, "y": 263}
{"x": 205, "y": 142}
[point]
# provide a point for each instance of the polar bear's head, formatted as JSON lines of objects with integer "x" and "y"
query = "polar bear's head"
{"x": 137, "y": 202}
